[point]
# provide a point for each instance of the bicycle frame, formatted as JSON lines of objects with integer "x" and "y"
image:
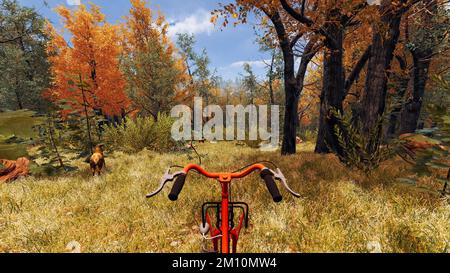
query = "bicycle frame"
{"x": 225, "y": 179}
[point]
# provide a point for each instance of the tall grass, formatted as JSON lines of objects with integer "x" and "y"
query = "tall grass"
{"x": 340, "y": 210}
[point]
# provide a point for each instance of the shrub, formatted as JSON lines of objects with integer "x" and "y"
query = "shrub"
{"x": 434, "y": 160}
{"x": 358, "y": 151}
{"x": 137, "y": 134}
{"x": 309, "y": 135}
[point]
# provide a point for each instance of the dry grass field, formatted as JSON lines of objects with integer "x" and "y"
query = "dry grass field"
{"x": 340, "y": 210}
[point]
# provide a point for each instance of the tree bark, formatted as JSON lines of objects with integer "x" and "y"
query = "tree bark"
{"x": 403, "y": 83}
{"x": 290, "y": 88}
{"x": 290, "y": 120}
{"x": 411, "y": 111}
{"x": 354, "y": 75}
{"x": 332, "y": 94}
{"x": 19, "y": 100}
{"x": 421, "y": 63}
{"x": 373, "y": 101}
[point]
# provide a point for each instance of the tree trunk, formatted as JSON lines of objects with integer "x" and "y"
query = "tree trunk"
{"x": 19, "y": 100}
{"x": 271, "y": 95}
{"x": 333, "y": 90}
{"x": 16, "y": 92}
{"x": 394, "y": 118}
{"x": 293, "y": 83}
{"x": 373, "y": 102}
{"x": 290, "y": 86}
{"x": 421, "y": 63}
{"x": 88, "y": 125}
{"x": 291, "y": 104}
{"x": 52, "y": 141}
{"x": 411, "y": 110}
{"x": 290, "y": 120}
{"x": 14, "y": 169}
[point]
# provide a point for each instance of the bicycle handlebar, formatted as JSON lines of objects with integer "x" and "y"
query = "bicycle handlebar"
{"x": 266, "y": 174}
{"x": 177, "y": 187}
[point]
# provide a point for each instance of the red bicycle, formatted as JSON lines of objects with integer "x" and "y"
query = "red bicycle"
{"x": 225, "y": 228}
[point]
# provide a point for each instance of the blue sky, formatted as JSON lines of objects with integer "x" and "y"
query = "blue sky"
{"x": 228, "y": 49}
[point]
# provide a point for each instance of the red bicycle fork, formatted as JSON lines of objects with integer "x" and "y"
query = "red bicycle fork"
{"x": 225, "y": 232}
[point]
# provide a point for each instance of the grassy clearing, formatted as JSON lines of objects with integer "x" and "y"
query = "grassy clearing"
{"x": 340, "y": 211}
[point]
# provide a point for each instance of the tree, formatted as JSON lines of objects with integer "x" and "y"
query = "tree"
{"x": 428, "y": 35}
{"x": 186, "y": 44}
{"x": 274, "y": 68}
{"x": 154, "y": 73}
{"x": 86, "y": 73}
{"x": 329, "y": 21}
{"x": 205, "y": 79}
{"x": 287, "y": 35}
{"x": 24, "y": 70}
{"x": 92, "y": 61}
{"x": 386, "y": 32}
{"x": 202, "y": 79}
{"x": 250, "y": 83}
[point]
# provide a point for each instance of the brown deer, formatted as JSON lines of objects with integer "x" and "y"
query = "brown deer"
{"x": 97, "y": 160}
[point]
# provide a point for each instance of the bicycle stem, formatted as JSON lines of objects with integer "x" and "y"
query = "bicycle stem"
{"x": 225, "y": 240}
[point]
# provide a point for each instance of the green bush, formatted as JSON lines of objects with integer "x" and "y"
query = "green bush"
{"x": 309, "y": 135}
{"x": 137, "y": 134}
{"x": 360, "y": 152}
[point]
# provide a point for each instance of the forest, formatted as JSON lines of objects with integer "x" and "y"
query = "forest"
{"x": 363, "y": 89}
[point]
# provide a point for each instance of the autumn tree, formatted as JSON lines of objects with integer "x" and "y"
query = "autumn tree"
{"x": 330, "y": 20}
{"x": 385, "y": 36}
{"x": 86, "y": 74}
{"x": 92, "y": 59}
{"x": 155, "y": 76}
{"x": 288, "y": 34}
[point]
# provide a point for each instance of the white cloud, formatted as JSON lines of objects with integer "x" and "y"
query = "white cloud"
{"x": 74, "y": 2}
{"x": 258, "y": 64}
{"x": 199, "y": 22}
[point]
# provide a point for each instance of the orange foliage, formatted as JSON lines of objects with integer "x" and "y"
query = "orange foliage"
{"x": 89, "y": 63}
